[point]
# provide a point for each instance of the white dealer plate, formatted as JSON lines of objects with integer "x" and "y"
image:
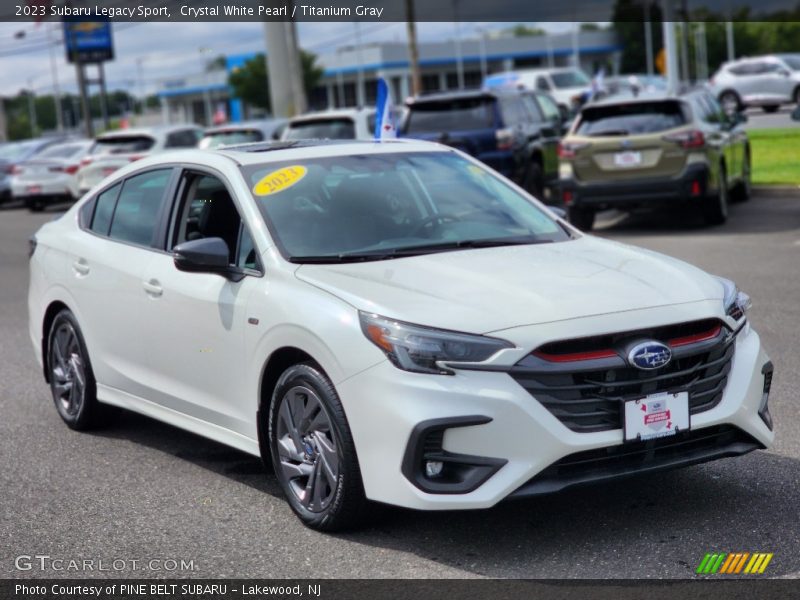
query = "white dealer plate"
{"x": 628, "y": 159}
{"x": 656, "y": 415}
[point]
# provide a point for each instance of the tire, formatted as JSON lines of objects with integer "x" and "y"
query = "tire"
{"x": 34, "y": 205}
{"x": 772, "y": 108}
{"x": 325, "y": 496}
{"x": 743, "y": 189}
{"x": 715, "y": 208}
{"x": 730, "y": 101}
{"x": 534, "y": 180}
{"x": 72, "y": 382}
{"x": 582, "y": 218}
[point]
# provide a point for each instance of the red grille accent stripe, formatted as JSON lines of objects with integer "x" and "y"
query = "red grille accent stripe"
{"x": 697, "y": 337}
{"x": 575, "y": 356}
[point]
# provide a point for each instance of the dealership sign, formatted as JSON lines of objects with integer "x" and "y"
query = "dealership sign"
{"x": 88, "y": 41}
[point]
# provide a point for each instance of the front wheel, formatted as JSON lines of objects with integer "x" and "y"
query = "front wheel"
{"x": 313, "y": 451}
{"x": 582, "y": 218}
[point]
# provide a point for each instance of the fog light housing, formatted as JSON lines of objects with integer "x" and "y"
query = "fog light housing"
{"x": 433, "y": 468}
{"x": 763, "y": 407}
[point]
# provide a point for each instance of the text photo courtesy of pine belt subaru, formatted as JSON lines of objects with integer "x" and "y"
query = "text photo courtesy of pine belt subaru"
{"x": 657, "y": 150}
{"x": 387, "y": 322}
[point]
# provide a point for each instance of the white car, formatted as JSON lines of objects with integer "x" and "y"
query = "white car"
{"x": 339, "y": 124}
{"x": 116, "y": 149}
{"x": 50, "y": 176}
{"x": 765, "y": 81}
{"x": 388, "y": 322}
{"x": 567, "y": 85}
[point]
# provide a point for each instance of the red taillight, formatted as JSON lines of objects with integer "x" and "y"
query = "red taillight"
{"x": 569, "y": 150}
{"x": 14, "y": 170}
{"x": 134, "y": 157}
{"x": 71, "y": 169}
{"x": 696, "y": 189}
{"x": 505, "y": 139}
{"x": 687, "y": 139}
{"x": 567, "y": 197}
{"x": 85, "y": 161}
{"x": 575, "y": 356}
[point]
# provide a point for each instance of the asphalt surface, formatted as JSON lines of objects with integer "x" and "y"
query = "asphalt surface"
{"x": 782, "y": 119}
{"x": 141, "y": 490}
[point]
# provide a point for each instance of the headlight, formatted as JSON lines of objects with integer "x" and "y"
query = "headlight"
{"x": 735, "y": 302}
{"x": 425, "y": 350}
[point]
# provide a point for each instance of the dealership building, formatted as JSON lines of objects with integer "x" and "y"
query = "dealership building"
{"x": 351, "y": 72}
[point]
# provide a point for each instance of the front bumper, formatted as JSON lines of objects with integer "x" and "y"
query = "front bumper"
{"x": 693, "y": 184}
{"x": 515, "y": 437}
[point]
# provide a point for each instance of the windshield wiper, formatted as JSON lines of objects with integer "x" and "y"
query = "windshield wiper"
{"x": 419, "y": 250}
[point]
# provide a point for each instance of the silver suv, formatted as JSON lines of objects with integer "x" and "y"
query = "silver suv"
{"x": 765, "y": 81}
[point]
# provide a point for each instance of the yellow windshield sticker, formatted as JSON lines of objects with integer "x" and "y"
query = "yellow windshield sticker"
{"x": 476, "y": 170}
{"x": 279, "y": 180}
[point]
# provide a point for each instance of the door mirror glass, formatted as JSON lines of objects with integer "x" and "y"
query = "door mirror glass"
{"x": 206, "y": 255}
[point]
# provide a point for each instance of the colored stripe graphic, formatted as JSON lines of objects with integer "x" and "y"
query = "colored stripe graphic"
{"x": 734, "y": 563}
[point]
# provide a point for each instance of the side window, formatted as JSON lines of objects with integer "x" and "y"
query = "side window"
{"x": 513, "y": 112}
{"x": 104, "y": 210}
{"x": 138, "y": 207}
{"x": 542, "y": 84}
{"x": 207, "y": 210}
{"x": 549, "y": 107}
{"x": 533, "y": 109}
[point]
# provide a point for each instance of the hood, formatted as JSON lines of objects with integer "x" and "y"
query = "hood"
{"x": 485, "y": 290}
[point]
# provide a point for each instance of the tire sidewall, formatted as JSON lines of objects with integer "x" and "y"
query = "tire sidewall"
{"x": 308, "y": 375}
{"x": 83, "y": 417}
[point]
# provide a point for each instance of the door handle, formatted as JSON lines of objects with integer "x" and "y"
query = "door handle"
{"x": 81, "y": 267}
{"x": 152, "y": 288}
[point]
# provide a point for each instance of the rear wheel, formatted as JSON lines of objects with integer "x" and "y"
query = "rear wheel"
{"x": 72, "y": 382}
{"x": 771, "y": 108}
{"x": 730, "y": 101}
{"x": 743, "y": 189}
{"x": 534, "y": 180}
{"x": 582, "y": 218}
{"x": 715, "y": 208}
{"x": 313, "y": 451}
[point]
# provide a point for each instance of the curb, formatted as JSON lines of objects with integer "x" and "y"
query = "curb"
{"x": 780, "y": 191}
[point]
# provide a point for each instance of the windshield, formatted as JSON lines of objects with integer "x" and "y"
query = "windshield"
{"x": 569, "y": 79}
{"x": 451, "y": 115}
{"x": 18, "y": 150}
{"x": 380, "y": 206}
{"x": 319, "y": 129}
{"x": 792, "y": 61}
{"x": 123, "y": 144}
{"x": 630, "y": 119}
{"x": 227, "y": 138}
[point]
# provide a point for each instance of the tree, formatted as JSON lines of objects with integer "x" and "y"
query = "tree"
{"x": 249, "y": 82}
{"x": 628, "y": 19}
{"x": 590, "y": 27}
{"x": 522, "y": 30}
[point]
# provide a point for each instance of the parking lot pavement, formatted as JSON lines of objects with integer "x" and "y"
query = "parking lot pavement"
{"x": 758, "y": 119}
{"x": 142, "y": 490}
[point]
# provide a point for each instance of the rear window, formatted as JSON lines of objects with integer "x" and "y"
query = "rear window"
{"x": 227, "y": 138}
{"x": 630, "y": 119}
{"x": 65, "y": 151}
{"x": 451, "y": 115}
{"x": 793, "y": 62}
{"x": 568, "y": 79}
{"x": 332, "y": 129}
{"x": 123, "y": 144}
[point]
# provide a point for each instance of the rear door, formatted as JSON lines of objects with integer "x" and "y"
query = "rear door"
{"x": 626, "y": 141}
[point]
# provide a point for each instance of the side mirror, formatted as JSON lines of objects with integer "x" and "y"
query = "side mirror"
{"x": 207, "y": 255}
{"x": 796, "y": 113}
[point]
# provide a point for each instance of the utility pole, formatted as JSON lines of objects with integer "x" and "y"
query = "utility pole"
{"x": 300, "y": 102}
{"x": 413, "y": 49}
{"x": 54, "y": 73}
{"x": 668, "y": 28}
{"x": 140, "y": 77}
{"x": 648, "y": 38}
{"x": 729, "y": 40}
{"x": 284, "y": 70}
{"x": 32, "y": 108}
{"x": 103, "y": 96}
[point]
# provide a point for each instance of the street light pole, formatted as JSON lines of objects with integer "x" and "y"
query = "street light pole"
{"x": 32, "y": 108}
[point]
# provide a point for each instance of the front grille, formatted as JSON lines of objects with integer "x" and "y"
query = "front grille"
{"x": 588, "y": 396}
{"x": 602, "y": 464}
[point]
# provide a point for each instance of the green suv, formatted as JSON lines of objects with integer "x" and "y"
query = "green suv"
{"x": 654, "y": 150}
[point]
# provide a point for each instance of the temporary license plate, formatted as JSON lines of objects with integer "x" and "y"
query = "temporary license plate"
{"x": 656, "y": 415}
{"x": 628, "y": 159}
{"x": 34, "y": 189}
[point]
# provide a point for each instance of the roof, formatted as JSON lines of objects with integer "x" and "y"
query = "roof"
{"x": 268, "y": 125}
{"x": 155, "y": 130}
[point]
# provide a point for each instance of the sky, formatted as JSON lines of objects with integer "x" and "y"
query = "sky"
{"x": 173, "y": 49}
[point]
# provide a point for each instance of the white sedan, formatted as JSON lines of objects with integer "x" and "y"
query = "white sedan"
{"x": 50, "y": 176}
{"x": 387, "y": 322}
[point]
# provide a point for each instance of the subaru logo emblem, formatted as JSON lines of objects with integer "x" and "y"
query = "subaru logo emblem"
{"x": 649, "y": 355}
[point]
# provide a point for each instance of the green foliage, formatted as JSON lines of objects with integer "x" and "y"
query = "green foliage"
{"x": 250, "y": 81}
{"x": 521, "y": 30}
{"x": 628, "y": 18}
